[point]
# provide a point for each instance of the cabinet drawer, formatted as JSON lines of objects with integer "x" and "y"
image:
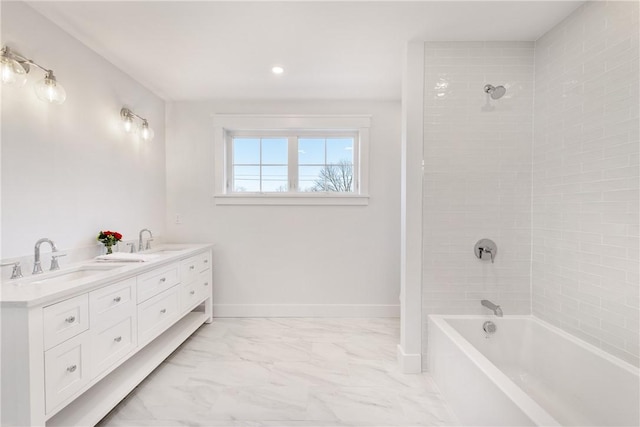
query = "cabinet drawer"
{"x": 204, "y": 261}
{"x": 112, "y": 343}
{"x": 156, "y": 314}
{"x": 65, "y": 319}
{"x": 192, "y": 266}
{"x": 189, "y": 269}
{"x": 154, "y": 282}
{"x": 204, "y": 284}
{"x": 196, "y": 291}
{"x": 113, "y": 303}
{"x": 65, "y": 370}
{"x": 190, "y": 295}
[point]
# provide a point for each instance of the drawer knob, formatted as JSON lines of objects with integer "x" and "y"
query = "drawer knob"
{"x": 164, "y": 310}
{"x": 117, "y": 299}
{"x": 164, "y": 279}
{"x": 206, "y": 261}
{"x": 117, "y": 339}
{"x": 192, "y": 292}
{"x": 70, "y": 319}
{"x": 206, "y": 283}
{"x": 192, "y": 267}
{"x": 72, "y": 368}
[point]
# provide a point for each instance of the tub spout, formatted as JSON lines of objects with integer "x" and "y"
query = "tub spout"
{"x": 493, "y": 307}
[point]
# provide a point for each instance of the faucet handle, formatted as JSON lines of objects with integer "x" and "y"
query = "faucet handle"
{"x": 133, "y": 247}
{"x": 16, "y": 273}
{"x": 149, "y": 240}
{"x": 485, "y": 245}
{"x": 54, "y": 262}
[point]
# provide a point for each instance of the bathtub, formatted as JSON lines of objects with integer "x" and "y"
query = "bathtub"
{"x": 528, "y": 373}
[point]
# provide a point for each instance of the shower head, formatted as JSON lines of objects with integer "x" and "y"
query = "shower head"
{"x": 496, "y": 92}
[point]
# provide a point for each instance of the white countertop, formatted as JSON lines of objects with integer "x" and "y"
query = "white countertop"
{"x": 41, "y": 289}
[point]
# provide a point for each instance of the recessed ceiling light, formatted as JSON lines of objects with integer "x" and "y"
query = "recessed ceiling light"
{"x": 277, "y": 70}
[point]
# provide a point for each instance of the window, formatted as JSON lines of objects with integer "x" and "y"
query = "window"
{"x": 291, "y": 160}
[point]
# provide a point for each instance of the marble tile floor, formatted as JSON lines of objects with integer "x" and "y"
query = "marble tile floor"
{"x": 286, "y": 372}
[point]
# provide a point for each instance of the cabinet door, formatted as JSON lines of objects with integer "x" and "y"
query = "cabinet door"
{"x": 65, "y": 319}
{"x": 190, "y": 296}
{"x": 66, "y": 370}
{"x": 112, "y": 343}
{"x": 157, "y": 314}
{"x": 204, "y": 284}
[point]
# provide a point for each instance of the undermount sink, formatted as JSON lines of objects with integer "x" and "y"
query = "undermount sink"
{"x": 70, "y": 275}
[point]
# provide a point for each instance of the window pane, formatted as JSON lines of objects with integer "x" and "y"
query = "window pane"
{"x": 311, "y": 151}
{"x": 274, "y": 179}
{"x": 246, "y": 178}
{"x": 310, "y": 179}
{"x": 246, "y": 151}
{"x": 275, "y": 151}
{"x": 339, "y": 150}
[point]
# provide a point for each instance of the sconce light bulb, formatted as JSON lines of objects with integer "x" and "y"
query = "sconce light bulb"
{"x": 146, "y": 133}
{"x": 129, "y": 125}
{"x": 12, "y": 72}
{"x": 49, "y": 90}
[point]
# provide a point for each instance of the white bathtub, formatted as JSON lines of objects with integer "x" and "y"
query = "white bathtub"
{"x": 528, "y": 373}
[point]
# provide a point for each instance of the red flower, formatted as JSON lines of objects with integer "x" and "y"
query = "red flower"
{"x": 117, "y": 235}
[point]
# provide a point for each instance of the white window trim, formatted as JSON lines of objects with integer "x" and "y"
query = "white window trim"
{"x": 229, "y": 123}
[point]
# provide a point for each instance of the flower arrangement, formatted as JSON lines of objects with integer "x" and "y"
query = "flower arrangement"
{"x": 109, "y": 238}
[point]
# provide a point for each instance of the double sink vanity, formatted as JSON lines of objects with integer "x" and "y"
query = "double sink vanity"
{"x": 76, "y": 341}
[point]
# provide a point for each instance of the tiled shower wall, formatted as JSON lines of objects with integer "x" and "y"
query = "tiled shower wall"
{"x": 477, "y": 176}
{"x": 585, "y": 177}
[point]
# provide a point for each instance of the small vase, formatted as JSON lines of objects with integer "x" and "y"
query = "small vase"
{"x": 109, "y": 249}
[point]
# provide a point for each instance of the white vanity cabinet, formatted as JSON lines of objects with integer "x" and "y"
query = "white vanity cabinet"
{"x": 70, "y": 360}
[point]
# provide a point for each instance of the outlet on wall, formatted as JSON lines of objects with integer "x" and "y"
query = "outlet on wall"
{"x": 178, "y": 218}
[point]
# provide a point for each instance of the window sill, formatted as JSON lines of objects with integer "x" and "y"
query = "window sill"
{"x": 291, "y": 199}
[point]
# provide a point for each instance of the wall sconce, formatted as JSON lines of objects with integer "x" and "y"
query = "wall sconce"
{"x": 14, "y": 69}
{"x": 127, "y": 116}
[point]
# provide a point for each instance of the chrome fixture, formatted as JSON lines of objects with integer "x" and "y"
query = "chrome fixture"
{"x": 15, "y": 68}
{"x": 489, "y": 327}
{"x": 37, "y": 268}
{"x": 127, "y": 116}
{"x": 133, "y": 247}
{"x": 149, "y": 240}
{"x": 485, "y": 246}
{"x": 16, "y": 273}
{"x": 493, "y": 307}
{"x": 496, "y": 92}
{"x": 54, "y": 262}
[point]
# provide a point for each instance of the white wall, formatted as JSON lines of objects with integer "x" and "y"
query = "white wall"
{"x": 585, "y": 177}
{"x": 477, "y": 176}
{"x": 69, "y": 170}
{"x": 289, "y": 260}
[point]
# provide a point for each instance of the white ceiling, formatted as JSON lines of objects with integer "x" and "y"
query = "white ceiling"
{"x": 339, "y": 50}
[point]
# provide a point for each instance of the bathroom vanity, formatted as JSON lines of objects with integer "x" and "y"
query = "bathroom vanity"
{"x": 76, "y": 341}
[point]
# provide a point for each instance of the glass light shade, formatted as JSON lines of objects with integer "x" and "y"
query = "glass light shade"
{"x": 128, "y": 124}
{"x": 146, "y": 133}
{"x": 13, "y": 73}
{"x": 49, "y": 90}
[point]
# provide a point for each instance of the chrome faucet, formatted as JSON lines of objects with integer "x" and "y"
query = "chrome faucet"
{"x": 37, "y": 268}
{"x": 493, "y": 307}
{"x": 16, "y": 273}
{"x": 148, "y": 240}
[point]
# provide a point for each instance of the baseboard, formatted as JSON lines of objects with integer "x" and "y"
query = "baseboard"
{"x": 306, "y": 310}
{"x": 409, "y": 363}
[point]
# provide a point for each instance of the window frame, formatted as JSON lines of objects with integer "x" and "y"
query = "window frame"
{"x": 227, "y": 126}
